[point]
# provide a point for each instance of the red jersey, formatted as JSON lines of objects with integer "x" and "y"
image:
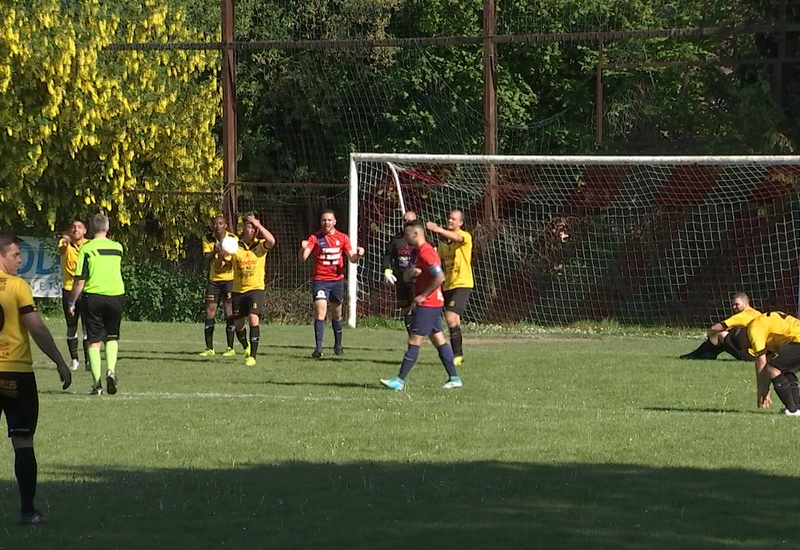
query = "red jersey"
{"x": 328, "y": 257}
{"x": 427, "y": 260}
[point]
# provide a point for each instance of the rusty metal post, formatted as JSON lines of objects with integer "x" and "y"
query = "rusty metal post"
{"x": 490, "y": 104}
{"x": 229, "y": 137}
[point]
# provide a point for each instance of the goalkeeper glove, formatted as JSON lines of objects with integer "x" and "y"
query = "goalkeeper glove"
{"x": 389, "y": 277}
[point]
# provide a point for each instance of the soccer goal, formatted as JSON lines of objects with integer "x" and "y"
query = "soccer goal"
{"x": 645, "y": 240}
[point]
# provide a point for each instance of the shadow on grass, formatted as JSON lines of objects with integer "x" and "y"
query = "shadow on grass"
{"x": 703, "y": 410}
{"x": 402, "y": 505}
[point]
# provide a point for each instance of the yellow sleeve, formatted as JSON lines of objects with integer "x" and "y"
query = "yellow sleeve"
{"x": 208, "y": 246}
{"x": 467, "y": 238}
{"x": 741, "y": 319}
{"x": 757, "y": 332}
{"x": 262, "y": 248}
{"x": 24, "y": 297}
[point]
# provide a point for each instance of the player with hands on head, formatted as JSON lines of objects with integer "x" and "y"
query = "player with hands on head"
{"x": 426, "y": 311}
{"x": 455, "y": 250}
{"x": 19, "y": 399}
{"x": 396, "y": 260}
{"x": 329, "y": 247}
{"x": 249, "y": 284}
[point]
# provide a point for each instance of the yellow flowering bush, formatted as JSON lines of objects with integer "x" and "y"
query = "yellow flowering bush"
{"x": 85, "y": 129}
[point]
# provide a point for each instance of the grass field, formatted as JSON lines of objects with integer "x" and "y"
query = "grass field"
{"x": 554, "y": 442}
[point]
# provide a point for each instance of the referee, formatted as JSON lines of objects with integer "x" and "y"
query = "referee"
{"x": 396, "y": 260}
{"x": 99, "y": 277}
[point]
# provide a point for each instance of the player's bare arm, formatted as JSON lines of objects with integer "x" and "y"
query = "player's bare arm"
{"x": 449, "y": 235}
{"x": 43, "y": 338}
{"x": 77, "y": 288}
{"x": 305, "y": 250}
{"x": 63, "y": 243}
{"x": 269, "y": 238}
{"x": 762, "y": 382}
{"x": 355, "y": 256}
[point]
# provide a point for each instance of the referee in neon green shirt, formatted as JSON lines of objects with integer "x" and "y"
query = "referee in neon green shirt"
{"x": 98, "y": 275}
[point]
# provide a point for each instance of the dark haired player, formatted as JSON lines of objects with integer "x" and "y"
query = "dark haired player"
{"x": 329, "y": 247}
{"x": 426, "y": 316}
{"x": 19, "y": 399}
{"x": 721, "y": 335}
{"x": 68, "y": 247}
{"x": 395, "y": 261}
{"x": 219, "y": 288}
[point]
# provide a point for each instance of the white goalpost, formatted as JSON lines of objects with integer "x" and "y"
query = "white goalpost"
{"x": 647, "y": 240}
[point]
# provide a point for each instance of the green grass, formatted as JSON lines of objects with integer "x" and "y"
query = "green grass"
{"x": 554, "y": 442}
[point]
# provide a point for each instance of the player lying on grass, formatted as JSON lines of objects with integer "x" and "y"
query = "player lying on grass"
{"x": 329, "y": 247}
{"x": 721, "y": 336}
{"x": 774, "y": 340}
{"x": 426, "y": 314}
{"x": 249, "y": 275}
{"x": 219, "y": 289}
{"x": 19, "y": 398}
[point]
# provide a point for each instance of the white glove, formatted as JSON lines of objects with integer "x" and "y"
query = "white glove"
{"x": 389, "y": 277}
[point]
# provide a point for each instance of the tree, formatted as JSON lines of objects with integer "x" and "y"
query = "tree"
{"x": 87, "y": 130}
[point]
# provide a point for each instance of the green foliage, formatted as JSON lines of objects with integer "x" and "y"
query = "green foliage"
{"x": 86, "y": 129}
{"x": 162, "y": 291}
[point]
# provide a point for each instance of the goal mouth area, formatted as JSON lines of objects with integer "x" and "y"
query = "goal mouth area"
{"x": 661, "y": 240}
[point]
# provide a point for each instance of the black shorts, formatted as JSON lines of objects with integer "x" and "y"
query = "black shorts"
{"x": 455, "y": 299}
{"x": 787, "y": 359}
{"x": 245, "y": 303}
{"x": 103, "y": 316}
{"x": 19, "y": 400}
{"x": 219, "y": 291}
{"x": 404, "y": 293}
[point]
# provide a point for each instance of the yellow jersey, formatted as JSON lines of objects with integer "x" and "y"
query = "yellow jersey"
{"x": 771, "y": 331}
{"x": 249, "y": 266}
{"x": 215, "y": 273}
{"x": 457, "y": 262}
{"x": 16, "y": 300}
{"x": 741, "y": 319}
{"x": 69, "y": 262}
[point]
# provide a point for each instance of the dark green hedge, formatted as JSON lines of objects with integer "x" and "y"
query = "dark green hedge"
{"x": 169, "y": 292}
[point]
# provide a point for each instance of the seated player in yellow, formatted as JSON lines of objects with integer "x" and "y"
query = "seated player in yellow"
{"x": 455, "y": 250}
{"x": 722, "y": 335}
{"x": 219, "y": 288}
{"x": 68, "y": 247}
{"x": 19, "y": 399}
{"x": 249, "y": 274}
{"x": 774, "y": 340}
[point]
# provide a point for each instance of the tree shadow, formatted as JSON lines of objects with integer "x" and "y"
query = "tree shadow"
{"x": 702, "y": 410}
{"x": 371, "y": 505}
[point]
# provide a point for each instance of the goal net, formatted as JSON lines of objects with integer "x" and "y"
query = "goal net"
{"x": 645, "y": 240}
